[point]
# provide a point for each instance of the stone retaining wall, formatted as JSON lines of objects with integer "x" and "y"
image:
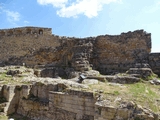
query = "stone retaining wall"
{"x": 81, "y": 103}
{"x": 154, "y": 62}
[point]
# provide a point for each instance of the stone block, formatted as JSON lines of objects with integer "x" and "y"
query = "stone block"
{"x": 89, "y": 104}
{"x": 123, "y": 113}
{"x": 25, "y": 91}
{"x": 69, "y": 101}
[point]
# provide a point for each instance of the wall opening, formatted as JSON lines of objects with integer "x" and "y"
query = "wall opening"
{"x": 40, "y": 32}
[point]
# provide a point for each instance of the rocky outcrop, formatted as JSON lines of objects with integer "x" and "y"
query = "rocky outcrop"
{"x": 125, "y": 111}
{"x": 56, "y": 98}
{"x": 46, "y": 101}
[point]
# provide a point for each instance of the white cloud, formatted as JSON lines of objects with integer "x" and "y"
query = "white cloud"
{"x": 55, "y": 3}
{"x": 89, "y": 8}
{"x": 12, "y": 16}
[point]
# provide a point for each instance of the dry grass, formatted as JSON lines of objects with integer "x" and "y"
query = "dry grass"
{"x": 7, "y": 79}
{"x": 144, "y": 94}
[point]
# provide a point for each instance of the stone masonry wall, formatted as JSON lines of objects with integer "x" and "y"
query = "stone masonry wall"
{"x": 15, "y": 47}
{"x": 78, "y": 102}
{"x": 108, "y": 54}
{"x": 126, "y": 111}
{"x": 154, "y": 62}
{"x": 25, "y": 30}
{"x": 67, "y": 105}
{"x": 121, "y": 52}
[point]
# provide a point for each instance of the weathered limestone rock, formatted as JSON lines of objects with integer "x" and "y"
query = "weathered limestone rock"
{"x": 12, "y": 97}
{"x": 125, "y": 79}
{"x": 81, "y": 103}
{"x": 90, "y": 81}
{"x": 122, "y": 79}
{"x": 2, "y": 70}
{"x": 141, "y": 72}
{"x": 49, "y": 72}
{"x": 25, "y": 91}
{"x": 155, "y": 82}
{"x": 45, "y": 101}
{"x": 91, "y": 73}
{"x": 101, "y": 78}
{"x": 126, "y": 111}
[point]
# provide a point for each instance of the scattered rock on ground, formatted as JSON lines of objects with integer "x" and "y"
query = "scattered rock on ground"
{"x": 90, "y": 81}
{"x": 155, "y": 82}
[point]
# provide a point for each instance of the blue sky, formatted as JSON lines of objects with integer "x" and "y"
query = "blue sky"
{"x": 84, "y": 18}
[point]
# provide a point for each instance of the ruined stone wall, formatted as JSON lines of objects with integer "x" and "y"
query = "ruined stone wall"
{"x": 69, "y": 105}
{"x": 24, "y": 45}
{"x": 25, "y": 30}
{"x": 78, "y": 102}
{"x": 154, "y": 62}
{"x": 126, "y": 111}
{"x": 66, "y": 105}
{"x": 121, "y": 52}
{"x": 108, "y": 53}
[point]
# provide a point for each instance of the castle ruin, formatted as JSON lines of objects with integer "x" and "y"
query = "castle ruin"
{"x": 60, "y": 99}
{"x": 106, "y": 53}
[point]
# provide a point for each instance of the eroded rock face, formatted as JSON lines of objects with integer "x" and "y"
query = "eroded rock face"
{"x": 125, "y": 111}
{"x": 56, "y": 101}
{"x": 56, "y": 98}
